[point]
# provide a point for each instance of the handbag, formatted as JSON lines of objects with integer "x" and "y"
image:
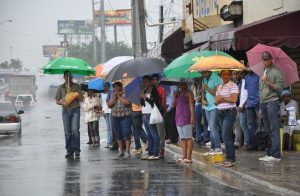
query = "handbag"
{"x": 155, "y": 116}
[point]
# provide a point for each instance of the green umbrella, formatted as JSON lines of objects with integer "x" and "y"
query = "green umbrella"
{"x": 179, "y": 66}
{"x": 74, "y": 65}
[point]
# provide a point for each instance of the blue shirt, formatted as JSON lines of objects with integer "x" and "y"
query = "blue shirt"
{"x": 252, "y": 86}
{"x": 212, "y": 83}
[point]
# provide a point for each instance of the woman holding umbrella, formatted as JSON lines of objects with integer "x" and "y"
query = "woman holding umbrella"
{"x": 121, "y": 118}
{"x": 226, "y": 98}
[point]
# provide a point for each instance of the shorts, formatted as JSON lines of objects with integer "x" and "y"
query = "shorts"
{"x": 122, "y": 127}
{"x": 185, "y": 131}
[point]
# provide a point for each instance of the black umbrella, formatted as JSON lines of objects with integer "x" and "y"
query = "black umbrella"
{"x": 135, "y": 68}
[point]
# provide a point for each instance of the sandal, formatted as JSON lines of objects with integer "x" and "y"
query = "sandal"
{"x": 180, "y": 160}
{"x": 229, "y": 164}
{"x": 187, "y": 161}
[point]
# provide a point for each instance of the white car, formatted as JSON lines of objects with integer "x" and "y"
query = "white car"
{"x": 24, "y": 101}
{"x": 10, "y": 120}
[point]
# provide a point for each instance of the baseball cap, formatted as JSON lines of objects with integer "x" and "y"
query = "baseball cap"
{"x": 286, "y": 92}
{"x": 266, "y": 55}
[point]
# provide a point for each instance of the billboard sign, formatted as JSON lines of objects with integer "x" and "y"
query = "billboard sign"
{"x": 115, "y": 17}
{"x": 49, "y": 50}
{"x": 75, "y": 27}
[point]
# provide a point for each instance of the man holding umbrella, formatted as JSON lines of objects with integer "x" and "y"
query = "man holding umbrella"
{"x": 70, "y": 113}
{"x": 270, "y": 86}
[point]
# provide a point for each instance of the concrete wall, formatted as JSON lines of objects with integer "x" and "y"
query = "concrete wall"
{"x": 254, "y": 10}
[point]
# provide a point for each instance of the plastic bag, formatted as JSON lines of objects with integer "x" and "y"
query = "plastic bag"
{"x": 70, "y": 97}
{"x": 155, "y": 116}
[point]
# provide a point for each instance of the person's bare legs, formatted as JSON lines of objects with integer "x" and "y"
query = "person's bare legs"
{"x": 184, "y": 148}
{"x": 120, "y": 143}
{"x": 189, "y": 148}
{"x": 127, "y": 144}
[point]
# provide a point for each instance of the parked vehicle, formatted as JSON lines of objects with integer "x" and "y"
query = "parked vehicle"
{"x": 21, "y": 84}
{"x": 52, "y": 91}
{"x": 24, "y": 101}
{"x": 10, "y": 120}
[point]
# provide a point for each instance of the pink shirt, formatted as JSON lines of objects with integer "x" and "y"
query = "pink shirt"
{"x": 225, "y": 91}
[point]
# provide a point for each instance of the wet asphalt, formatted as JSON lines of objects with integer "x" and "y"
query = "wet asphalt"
{"x": 33, "y": 163}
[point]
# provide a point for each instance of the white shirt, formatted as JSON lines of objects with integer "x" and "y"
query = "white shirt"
{"x": 243, "y": 94}
{"x": 147, "y": 108}
{"x": 105, "y": 107}
{"x": 88, "y": 108}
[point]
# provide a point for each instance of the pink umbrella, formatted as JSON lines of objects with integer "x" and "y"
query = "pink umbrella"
{"x": 280, "y": 60}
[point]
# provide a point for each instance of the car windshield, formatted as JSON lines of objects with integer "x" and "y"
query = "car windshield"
{"x": 6, "y": 107}
{"x": 24, "y": 98}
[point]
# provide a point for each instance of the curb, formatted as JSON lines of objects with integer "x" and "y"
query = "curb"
{"x": 202, "y": 162}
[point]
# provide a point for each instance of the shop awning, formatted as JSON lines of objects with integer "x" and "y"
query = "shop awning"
{"x": 280, "y": 30}
{"x": 170, "y": 48}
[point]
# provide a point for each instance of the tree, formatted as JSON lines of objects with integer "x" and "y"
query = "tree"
{"x": 16, "y": 64}
{"x": 112, "y": 50}
{"x": 4, "y": 65}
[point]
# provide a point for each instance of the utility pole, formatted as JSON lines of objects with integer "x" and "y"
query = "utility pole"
{"x": 102, "y": 23}
{"x": 134, "y": 27}
{"x": 94, "y": 34}
{"x": 142, "y": 31}
{"x": 115, "y": 35}
{"x": 161, "y": 20}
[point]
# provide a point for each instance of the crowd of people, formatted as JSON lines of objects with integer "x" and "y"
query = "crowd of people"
{"x": 229, "y": 107}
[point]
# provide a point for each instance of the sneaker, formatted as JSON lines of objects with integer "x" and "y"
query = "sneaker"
{"x": 209, "y": 153}
{"x": 145, "y": 157}
{"x": 69, "y": 155}
{"x": 77, "y": 154}
{"x": 218, "y": 151}
{"x": 272, "y": 159}
{"x": 128, "y": 154}
{"x": 97, "y": 144}
{"x": 168, "y": 141}
{"x": 138, "y": 151}
{"x": 208, "y": 144}
{"x": 263, "y": 158}
{"x": 153, "y": 158}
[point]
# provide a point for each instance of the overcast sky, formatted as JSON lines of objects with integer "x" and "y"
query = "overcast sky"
{"x": 35, "y": 24}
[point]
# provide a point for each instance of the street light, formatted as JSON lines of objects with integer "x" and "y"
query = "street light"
{"x": 7, "y": 20}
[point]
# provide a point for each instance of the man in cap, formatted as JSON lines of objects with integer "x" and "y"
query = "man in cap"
{"x": 287, "y": 104}
{"x": 270, "y": 87}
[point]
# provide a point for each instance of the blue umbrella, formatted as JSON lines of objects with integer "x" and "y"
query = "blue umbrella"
{"x": 96, "y": 84}
{"x": 133, "y": 91}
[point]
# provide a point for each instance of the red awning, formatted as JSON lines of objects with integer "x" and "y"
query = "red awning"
{"x": 280, "y": 30}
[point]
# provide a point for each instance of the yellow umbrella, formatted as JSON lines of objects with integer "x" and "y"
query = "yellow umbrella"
{"x": 216, "y": 63}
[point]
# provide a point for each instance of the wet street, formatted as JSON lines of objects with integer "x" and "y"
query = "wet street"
{"x": 34, "y": 164}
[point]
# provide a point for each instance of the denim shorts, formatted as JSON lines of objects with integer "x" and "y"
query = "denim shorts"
{"x": 122, "y": 127}
{"x": 185, "y": 131}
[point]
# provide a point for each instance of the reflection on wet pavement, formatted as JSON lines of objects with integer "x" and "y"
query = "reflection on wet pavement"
{"x": 34, "y": 164}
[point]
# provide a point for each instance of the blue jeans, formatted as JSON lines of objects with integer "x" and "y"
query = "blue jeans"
{"x": 227, "y": 120}
{"x": 137, "y": 129}
{"x": 253, "y": 124}
{"x": 198, "y": 114}
{"x": 212, "y": 117}
{"x": 270, "y": 115}
{"x": 153, "y": 137}
{"x": 206, "y": 133}
{"x": 71, "y": 122}
{"x": 122, "y": 127}
{"x": 244, "y": 126}
{"x": 108, "y": 128}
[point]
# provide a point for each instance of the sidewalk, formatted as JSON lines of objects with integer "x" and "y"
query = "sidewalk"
{"x": 282, "y": 178}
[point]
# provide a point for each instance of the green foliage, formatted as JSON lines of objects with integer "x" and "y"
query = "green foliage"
{"x": 13, "y": 64}
{"x": 112, "y": 50}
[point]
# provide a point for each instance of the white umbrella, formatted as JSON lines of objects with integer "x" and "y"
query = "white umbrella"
{"x": 109, "y": 65}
